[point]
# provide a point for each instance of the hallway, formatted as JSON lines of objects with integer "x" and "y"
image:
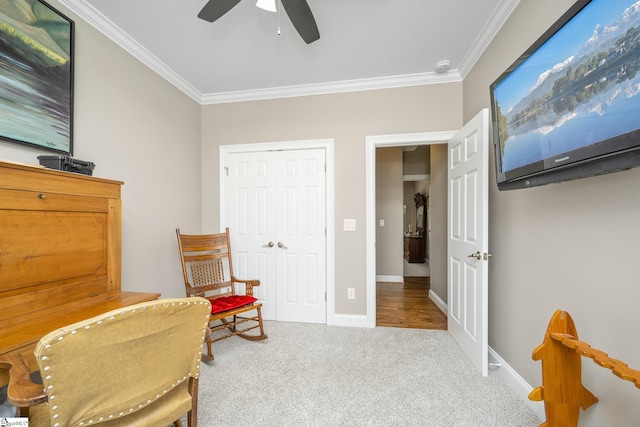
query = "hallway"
{"x": 408, "y": 305}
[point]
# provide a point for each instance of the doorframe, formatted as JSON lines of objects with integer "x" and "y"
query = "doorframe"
{"x": 327, "y": 145}
{"x": 371, "y": 143}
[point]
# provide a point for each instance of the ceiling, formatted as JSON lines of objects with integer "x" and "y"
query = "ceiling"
{"x": 364, "y": 44}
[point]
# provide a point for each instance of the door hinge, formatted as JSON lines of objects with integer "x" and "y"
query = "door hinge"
{"x": 325, "y": 296}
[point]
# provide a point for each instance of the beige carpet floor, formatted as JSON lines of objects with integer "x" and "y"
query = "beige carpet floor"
{"x": 318, "y": 375}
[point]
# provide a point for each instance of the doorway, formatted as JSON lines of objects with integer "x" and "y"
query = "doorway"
{"x": 372, "y": 143}
{"x": 403, "y": 187}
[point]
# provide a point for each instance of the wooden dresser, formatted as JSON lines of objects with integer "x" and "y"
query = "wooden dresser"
{"x": 414, "y": 249}
{"x": 60, "y": 253}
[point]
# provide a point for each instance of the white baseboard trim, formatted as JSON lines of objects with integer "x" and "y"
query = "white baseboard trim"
{"x": 358, "y": 321}
{"x": 517, "y": 383}
{"x": 510, "y": 376}
{"x": 438, "y": 301}
{"x": 390, "y": 279}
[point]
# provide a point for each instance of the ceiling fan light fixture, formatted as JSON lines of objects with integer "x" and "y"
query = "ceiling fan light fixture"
{"x": 268, "y": 5}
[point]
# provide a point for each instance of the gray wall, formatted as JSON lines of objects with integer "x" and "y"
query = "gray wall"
{"x": 136, "y": 128}
{"x": 389, "y": 199}
{"x": 348, "y": 118}
{"x": 569, "y": 246}
{"x": 438, "y": 202}
{"x": 416, "y": 162}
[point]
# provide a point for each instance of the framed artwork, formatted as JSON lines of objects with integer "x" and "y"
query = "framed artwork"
{"x": 36, "y": 76}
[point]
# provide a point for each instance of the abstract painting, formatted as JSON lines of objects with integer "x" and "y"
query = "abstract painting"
{"x": 36, "y": 75}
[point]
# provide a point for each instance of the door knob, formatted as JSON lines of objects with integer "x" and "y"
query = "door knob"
{"x": 476, "y": 255}
{"x": 268, "y": 245}
{"x": 281, "y": 245}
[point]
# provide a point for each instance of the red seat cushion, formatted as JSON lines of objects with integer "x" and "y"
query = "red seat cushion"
{"x": 221, "y": 304}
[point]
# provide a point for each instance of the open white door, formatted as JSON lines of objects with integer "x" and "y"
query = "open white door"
{"x": 468, "y": 239}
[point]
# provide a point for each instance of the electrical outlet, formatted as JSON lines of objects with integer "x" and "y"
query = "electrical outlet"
{"x": 351, "y": 293}
{"x": 349, "y": 225}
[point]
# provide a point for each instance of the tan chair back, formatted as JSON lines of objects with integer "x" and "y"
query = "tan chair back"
{"x": 124, "y": 363}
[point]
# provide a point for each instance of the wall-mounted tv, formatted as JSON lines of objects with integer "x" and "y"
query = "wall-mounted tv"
{"x": 569, "y": 107}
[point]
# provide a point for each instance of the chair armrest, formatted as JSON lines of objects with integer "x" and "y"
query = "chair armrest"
{"x": 22, "y": 392}
{"x": 193, "y": 292}
{"x": 249, "y": 284}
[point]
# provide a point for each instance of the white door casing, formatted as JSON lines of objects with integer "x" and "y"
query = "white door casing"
{"x": 277, "y": 214}
{"x": 467, "y": 257}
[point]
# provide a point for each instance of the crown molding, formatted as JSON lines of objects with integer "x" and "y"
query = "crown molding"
{"x": 499, "y": 16}
{"x": 94, "y": 18}
{"x": 122, "y": 39}
{"x": 332, "y": 87}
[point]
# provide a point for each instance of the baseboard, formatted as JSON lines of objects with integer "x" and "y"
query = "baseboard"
{"x": 354, "y": 320}
{"x": 438, "y": 301}
{"x": 390, "y": 279}
{"x": 515, "y": 382}
{"x": 510, "y": 375}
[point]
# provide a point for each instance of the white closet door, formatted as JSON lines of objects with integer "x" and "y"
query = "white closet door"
{"x": 250, "y": 186}
{"x": 277, "y": 218}
{"x": 300, "y": 233}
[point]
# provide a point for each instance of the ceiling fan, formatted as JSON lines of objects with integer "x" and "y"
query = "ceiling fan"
{"x": 298, "y": 11}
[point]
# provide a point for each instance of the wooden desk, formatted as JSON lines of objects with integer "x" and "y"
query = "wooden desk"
{"x": 60, "y": 253}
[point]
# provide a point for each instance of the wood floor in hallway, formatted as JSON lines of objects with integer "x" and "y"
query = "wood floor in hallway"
{"x": 408, "y": 305}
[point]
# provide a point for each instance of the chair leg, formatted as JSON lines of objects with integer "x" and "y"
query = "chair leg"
{"x": 260, "y": 321}
{"x": 192, "y": 415}
{"x": 209, "y": 356}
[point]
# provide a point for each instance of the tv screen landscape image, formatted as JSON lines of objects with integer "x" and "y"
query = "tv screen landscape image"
{"x": 569, "y": 107}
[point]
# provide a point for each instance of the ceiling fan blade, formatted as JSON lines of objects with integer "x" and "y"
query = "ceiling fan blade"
{"x": 214, "y": 9}
{"x": 302, "y": 18}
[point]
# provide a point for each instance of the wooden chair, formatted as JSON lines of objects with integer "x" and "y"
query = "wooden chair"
{"x": 135, "y": 366}
{"x": 208, "y": 272}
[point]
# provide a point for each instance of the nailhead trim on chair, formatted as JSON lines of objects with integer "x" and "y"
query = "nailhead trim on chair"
{"x": 50, "y": 387}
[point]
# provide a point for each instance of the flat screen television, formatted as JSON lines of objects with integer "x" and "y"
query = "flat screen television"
{"x": 569, "y": 107}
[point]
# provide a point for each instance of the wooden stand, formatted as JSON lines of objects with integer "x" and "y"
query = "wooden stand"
{"x": 562, "y": 390}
